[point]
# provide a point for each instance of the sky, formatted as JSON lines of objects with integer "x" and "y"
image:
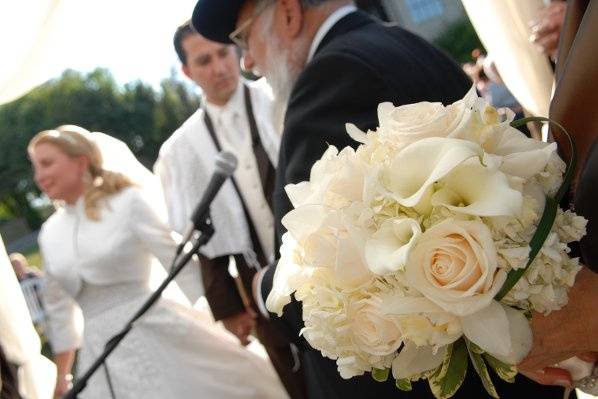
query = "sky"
{"x": 131, "y": 38}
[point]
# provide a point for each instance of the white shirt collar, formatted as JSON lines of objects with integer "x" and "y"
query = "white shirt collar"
{"x": 327, "y": 25}
{"x": 234, "y": 104}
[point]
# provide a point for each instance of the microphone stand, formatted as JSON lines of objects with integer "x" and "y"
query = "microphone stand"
{"x": 207, "y": 230}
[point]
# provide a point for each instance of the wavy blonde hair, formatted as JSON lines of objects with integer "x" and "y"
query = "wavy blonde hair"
{"x": 75, "y": 141}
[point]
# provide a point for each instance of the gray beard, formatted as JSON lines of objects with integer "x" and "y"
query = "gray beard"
{"x": 282, "y": 77}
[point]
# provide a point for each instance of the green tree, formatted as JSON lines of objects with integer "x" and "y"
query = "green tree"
{"x": 135, "y": 113}
{"x": 459, "y": 40}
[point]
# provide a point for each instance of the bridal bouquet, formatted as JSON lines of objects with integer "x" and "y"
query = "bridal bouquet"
{"x": 428, "y": 246}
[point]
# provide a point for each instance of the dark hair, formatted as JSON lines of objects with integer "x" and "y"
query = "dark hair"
{"x": 181, "y": 33}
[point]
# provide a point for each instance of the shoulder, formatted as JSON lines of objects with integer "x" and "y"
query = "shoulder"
{"x": 125, "y": 198}
{"x": 174, "y": 142}
{"x": 53, "y": 225}
{"x": 260, "y": 88}
{"x": 375, "y": 41}
{"x": 409, "y": 68}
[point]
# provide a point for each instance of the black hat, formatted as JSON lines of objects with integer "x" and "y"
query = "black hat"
{"x": 216, "y": 19}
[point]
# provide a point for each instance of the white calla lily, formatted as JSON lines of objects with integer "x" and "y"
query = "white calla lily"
{"x": 386, "y": 250}
{"x": 474, "y": 189}
{"x": 418, "y": 166}
{"x": 521, "y": 156}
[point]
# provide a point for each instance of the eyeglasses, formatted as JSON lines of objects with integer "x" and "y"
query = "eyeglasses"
{"x": 238, "y": 36}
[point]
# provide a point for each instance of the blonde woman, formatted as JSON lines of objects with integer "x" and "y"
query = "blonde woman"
{"x": 97, "y": 249}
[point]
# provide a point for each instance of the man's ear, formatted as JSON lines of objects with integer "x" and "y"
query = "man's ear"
{"x": 292, "y": 17}
{"x": 185, "y": 70}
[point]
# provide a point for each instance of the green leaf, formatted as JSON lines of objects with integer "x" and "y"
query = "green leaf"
{"x": 449, "y": 377}
{"x": 475, "y": 348}
{"x": 380, "y": 375}
{"x": 482, "y": 370}
{"x": 403, "y": 384}
{"x": 549, "y": 214}
{"x": 544, "y": 227}
{"x": 505, "y": 371}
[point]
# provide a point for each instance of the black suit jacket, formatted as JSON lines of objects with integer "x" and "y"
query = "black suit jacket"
{"x": 359, "y": 64}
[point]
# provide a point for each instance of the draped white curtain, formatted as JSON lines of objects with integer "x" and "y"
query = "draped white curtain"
{"x": 28, "y": 36}
{"x": 503, "y": 27}
{"x": 41, "y": 38}
{"x": 19, "y": 339}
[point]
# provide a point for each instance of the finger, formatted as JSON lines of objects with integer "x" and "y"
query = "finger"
{"x": 252, "y": 313}
{"x": 549, "y": 41}
{"x": 537, "y": 361}
{"x": 244, "y": 339}
{"x": 590, "y": 357}
{"x": 550, "y": 376}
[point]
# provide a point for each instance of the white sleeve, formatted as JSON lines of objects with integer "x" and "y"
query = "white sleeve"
{"x": 162, "y": 242}
{"x": 65, "y": 321}
{"x": 163, "y": 170}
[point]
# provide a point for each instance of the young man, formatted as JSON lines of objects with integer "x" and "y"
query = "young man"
{"x": 236, "y": 117}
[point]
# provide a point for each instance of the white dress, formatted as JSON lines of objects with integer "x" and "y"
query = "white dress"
{"x": 102, "y": 268}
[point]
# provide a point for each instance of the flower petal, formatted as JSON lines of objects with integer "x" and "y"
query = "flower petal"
{"x": 413, "y": 360}
{"x": 521, "y": 336}
{"x": 488, "y": 328}
{"x": 287, "y": 278}
{"x": 355, "y": 133}
{"x": 409, "y": 179}
{"x": 410, "y": 305}
{"x": 477, "y": 190}
{"x": 387, "y": 249}
{"x": 305, "y": 220}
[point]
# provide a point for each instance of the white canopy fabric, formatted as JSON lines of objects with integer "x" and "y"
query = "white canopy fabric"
{"x": 29, "y": 35}
{"x": 41, "y": 38}
{"x": 503, "y": 26}
{"x": 19, "y": 340}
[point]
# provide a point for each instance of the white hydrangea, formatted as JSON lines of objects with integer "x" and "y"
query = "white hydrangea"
{"x": 425, "y": 165}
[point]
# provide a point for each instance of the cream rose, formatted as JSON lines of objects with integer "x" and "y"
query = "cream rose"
{"x": 454, "y": 264}
{"x": 409, "y": 123}
{"x": 374, "y": 331}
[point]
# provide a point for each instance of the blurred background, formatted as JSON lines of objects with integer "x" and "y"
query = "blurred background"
{"x": 110, "y": 66}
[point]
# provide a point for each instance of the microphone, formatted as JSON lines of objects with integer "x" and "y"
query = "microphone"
{"x": 226, "y": 163}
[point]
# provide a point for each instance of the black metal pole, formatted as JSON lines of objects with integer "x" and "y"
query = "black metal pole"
{"x": 178, "y": 264}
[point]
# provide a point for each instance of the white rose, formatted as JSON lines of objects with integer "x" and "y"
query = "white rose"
{"x": 373, "y": 331}
{"x": 289, "y": 276}
{"x": 455, "y": 265}
{"x": 330, "y": 239}
{"x": 409, "y": 123}
{"x": 336, "y": 180}
{"x": 386, "y": 250}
